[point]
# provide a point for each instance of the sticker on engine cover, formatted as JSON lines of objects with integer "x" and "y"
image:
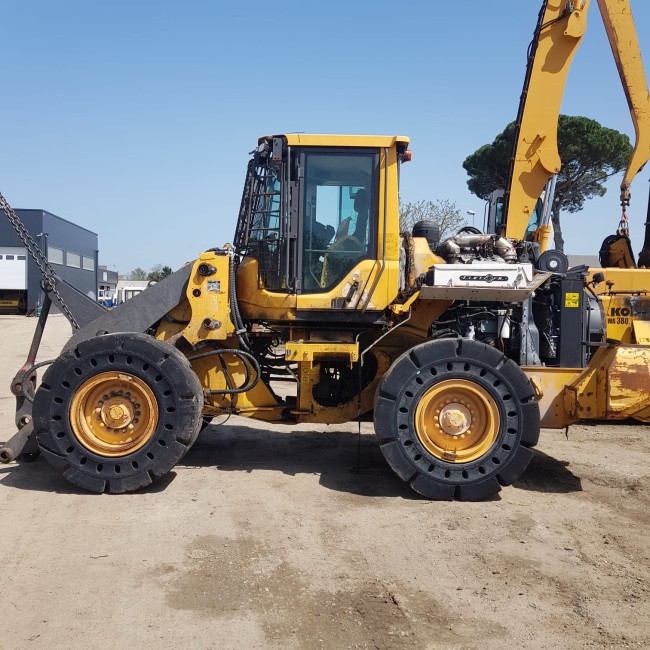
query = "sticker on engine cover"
{"x": 571, "y": 299}
{"x": 214, "y": 285}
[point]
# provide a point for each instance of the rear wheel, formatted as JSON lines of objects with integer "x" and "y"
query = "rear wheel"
{"x": 456, "y": 419}
{"x": 118, "y": 412}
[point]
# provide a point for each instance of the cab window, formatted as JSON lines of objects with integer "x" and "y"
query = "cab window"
{"x": 339, "y": 215}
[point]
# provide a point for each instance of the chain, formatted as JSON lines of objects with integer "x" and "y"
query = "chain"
{"x": 48, "y": 274}
{"x": 623, "y": 225}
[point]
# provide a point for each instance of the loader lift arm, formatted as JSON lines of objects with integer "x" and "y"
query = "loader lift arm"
{"x": 559, "y": 31}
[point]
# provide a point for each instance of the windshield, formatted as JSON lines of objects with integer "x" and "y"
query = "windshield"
{"x": 339, "y": 209}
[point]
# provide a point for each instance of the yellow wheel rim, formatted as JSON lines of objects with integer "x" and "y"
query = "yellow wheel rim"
{"x": 114, "y": 414}
{"x": 457, "y": 421}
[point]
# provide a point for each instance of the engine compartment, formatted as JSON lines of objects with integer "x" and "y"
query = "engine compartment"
{"x": 506, "y": 295}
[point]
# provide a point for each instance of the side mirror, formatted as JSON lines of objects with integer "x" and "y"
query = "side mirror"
{"x": 597, "y": 279}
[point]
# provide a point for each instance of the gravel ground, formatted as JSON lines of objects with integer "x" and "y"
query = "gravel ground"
{"x": 277, "y": 537}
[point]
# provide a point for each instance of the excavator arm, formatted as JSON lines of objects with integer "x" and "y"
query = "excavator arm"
{"x": 560, "y": 28}
{"x": 619, "y": 25}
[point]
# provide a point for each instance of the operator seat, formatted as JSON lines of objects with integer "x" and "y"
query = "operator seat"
{"x": 362, "y": 208}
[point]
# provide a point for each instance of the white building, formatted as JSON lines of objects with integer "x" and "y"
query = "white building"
{"x": 127, "y": 289}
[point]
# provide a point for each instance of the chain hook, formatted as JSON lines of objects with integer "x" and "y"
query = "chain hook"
{"x": 623, "y": 225}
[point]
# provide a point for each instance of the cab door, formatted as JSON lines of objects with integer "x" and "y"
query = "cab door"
{"x": 339, "y": 218}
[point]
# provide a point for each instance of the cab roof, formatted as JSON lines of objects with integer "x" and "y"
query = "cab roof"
{"x": 333, "y": 140}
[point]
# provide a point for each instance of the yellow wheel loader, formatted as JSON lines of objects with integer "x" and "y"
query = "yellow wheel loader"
{"x": 459, "y": 350}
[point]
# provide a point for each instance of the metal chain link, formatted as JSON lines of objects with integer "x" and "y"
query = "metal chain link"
{"x": 48, "y": 274}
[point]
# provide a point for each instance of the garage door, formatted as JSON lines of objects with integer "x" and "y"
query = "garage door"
{"x": 13, "y": 268}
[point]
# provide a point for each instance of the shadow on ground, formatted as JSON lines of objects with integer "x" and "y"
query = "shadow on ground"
{"x": 547, "y": 474}
{"x": 344, "y": 461}
{"x": 40, "y": 476}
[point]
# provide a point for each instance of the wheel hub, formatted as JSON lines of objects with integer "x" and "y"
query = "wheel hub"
{"x": 457, "y": 420}
{"x": 454, "y": 419}
{"x": 117, "y": 414}
{"x": 114, "y": 414}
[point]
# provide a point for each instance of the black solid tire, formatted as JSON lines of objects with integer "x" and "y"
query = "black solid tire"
{"x": 417, "y": 370}
{"x": 177, "y": 391}
{"x": 29, "y": 456}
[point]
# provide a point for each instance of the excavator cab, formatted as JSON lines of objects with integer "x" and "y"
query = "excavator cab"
{"x": 539, "y": 228}
{"x": 318, "y": 225}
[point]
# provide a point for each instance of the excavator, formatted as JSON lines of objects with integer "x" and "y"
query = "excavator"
{"x": 321, "y": 311}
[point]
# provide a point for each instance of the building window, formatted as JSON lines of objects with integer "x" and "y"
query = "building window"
{"x": 73, "y": 260}
{"x": 9, "y": 257}
{"x": 89, "y": 264}
{"x": 55, "y": 255}
{"x": 20, "y": 257}
{"x": 105, "y": 276}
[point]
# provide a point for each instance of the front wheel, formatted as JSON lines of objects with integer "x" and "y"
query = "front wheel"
{"x": 456, "y": 419}
{"x": 117, "y": 412}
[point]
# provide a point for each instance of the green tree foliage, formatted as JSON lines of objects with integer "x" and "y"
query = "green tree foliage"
{"x": 590, "y": 154}
{"x": 155, "y": 274}
{"x": 158, "y": 272}
{"x": 445, "y": 214}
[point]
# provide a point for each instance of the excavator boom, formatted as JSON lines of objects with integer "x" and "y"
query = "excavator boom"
{"x": 560, "y": 28}
{"x": 621, "y": 32}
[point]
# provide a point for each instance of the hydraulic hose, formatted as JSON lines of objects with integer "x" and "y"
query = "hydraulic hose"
{"x": 238, "y": 322}
{"x": 249, "y": 362}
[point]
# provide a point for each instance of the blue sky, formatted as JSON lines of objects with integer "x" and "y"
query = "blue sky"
{"x": 135, "y": 119}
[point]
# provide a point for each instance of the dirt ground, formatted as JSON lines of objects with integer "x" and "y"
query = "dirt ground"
{"x": 277, "y": 537}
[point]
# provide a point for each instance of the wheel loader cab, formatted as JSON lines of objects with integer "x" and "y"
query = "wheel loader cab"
{"x": 318, "y": 225}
